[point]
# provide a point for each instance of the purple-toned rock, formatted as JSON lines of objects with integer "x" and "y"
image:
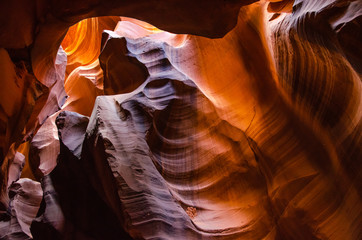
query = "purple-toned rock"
{"x": 25, "y": 198}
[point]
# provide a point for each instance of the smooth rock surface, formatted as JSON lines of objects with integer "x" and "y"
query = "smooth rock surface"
{"x": 25, "y": 197}
{"x": 245, "y": 125}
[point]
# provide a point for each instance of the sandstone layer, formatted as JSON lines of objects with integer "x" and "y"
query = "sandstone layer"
{"x": 214, "y": 120}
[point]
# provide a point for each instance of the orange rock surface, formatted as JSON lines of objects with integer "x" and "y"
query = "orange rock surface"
{"x": 211, "y": 120}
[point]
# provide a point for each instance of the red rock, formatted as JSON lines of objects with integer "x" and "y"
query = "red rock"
{"x": 244, "y": 123}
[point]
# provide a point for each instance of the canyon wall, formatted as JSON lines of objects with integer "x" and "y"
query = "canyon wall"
{"x": 213, "y": 120}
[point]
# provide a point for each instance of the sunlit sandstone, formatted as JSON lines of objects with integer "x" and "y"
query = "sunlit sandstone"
{"x": 255, "y": 134}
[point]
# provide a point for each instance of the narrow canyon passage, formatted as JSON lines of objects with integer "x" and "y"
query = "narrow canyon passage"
{"x": 181, "y": 120}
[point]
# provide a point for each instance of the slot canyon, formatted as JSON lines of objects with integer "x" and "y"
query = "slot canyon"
{"x": 181, "y": 119}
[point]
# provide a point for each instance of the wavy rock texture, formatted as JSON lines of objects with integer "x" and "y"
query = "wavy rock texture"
{"x": 82, "y": 45}
{"x": 300, "y": 173}
{"x": 254, "y": 135}
{"x": 48, "y": 22}
{"x": 82, "y": 72}
{"x": 26, "y": 104}
{"x": 44, "y": 149}
{"x": 325, "y": 89}
{"x": 330, "y": 91}
{"x": 25, "y": 197}
{"x": 83, "y": 40}
{"x": 168, "y": 166}
{"x": 33, "y": 33}
{"x": 71, "y": 209}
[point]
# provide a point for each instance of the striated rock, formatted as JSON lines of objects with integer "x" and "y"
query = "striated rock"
{"x": 25, "y": 197}
{"x": 85, "y": 215}
{"x": 47, "y": 23}
{"x": 83, "y": 85}
{"x": 321, "y": 92}
{"x": 83, "y": 40}
{"x": 26, "y": 103}
{"x": 157, "y": 140}
{"x": 71, "y": 129}
{"x": 44, "y": 149}
{"x": 71, "y": 208}
{"x": 316, "y": 76}
{"x": 83, "y": 69}
{"x": 37, "y": 42}
{"x": 39, "y": 109}
{"x": 252, "y": 135}
{"x": 307, "y": 166}
{"x": 57, "y": 94}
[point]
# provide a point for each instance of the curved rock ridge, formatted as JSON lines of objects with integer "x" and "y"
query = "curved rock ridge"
{"x": 253, "y": 135}
{"x": 47, "y": 23}
{"x": 83, "y": 40}
{"x": 167, "y": 177}
{"x": 70, "y": 207}
{"x": 123, "y": 73}
{"x": 160, "y": 142}
{"x": 44, "y": 149}
{"x": 89, "y": 79}
{"x": 280, "y": 6}
{"x": 82, "y": 72}
{"x": 82, "y": 45}
{"x": 33, "y": 33}
{"x": 25, "y": 104}
{"x": 325, "y": 86}
{"x": 25, "y": 197}
{"x": 300, "y": 163}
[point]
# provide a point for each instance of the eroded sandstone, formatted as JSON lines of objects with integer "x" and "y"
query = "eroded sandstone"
{"x": 253, "y": 135}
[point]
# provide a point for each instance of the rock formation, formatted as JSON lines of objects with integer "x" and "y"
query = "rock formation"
{"x": 237, "y": 120}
